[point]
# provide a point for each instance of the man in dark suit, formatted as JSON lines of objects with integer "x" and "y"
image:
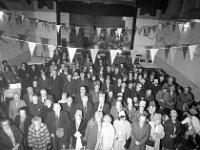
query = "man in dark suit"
{"x": 59, "y": 124}
{"x": 86, "y": 106}
{"x": 105, "y": 88}
{"x": 56, "y": 85}
{"x": 102, "y": 106}
{"x": 43, "y": 81}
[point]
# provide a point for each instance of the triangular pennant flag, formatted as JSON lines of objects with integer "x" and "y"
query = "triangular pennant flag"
{"x": 119, "y": 31}
{"x": 192, "y": 49}
{"x": 77, "y": 30}
{"x": 166, "y": 53}
{"x": 71, "y": 52}
{"x": 51, "y": 50}
{"x": 153, "y": 53}
{"x": 154, "y": 28}
{"x": 173, "y": 52}
{"x": 185, "y": 49}
{"x": 139, "y": 31}
{"x": 94, "y": 54}
{"x": 45, "y": 41}
{"x": 113, "y": 54}
{"x": 58, "y": 28}
{"x": 31, "y": 46}
{"x": 9, "y": 17}
{"x": 145, "y": 33}
{"x": 180, "y": 26}
{"x": 98, "y": 31}
{"x": 18, "y": 20}
{"x": 108, "y": 31}
{"x": 133, "y": 55}
{"x": 148, "y": 30}
{"x": 36, "y": 23}
{"x": 22, "y": 17}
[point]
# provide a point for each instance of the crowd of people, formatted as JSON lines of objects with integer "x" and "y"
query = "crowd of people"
{"x": 97, "y": 107}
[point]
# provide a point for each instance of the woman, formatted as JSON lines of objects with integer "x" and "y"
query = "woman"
{"x": 78, "y": 128}
{"x": 172, "y": 131}
{"x": 156, "y": 134}
{"x": 38, "y": 135}
{"x": 93, "y": 130}
{"x": 107, "y": 135}
{"x": 122, "y": 132}
{"x": 11, "y": 138}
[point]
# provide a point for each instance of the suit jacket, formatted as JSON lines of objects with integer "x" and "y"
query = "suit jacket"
{"x": 95, "y": 96}
{"x": 105, "y": 110}
{"x": 69, "y": 87}
{"x": 13, "y": 109}
{"x": 114, "y": 113}
{"x": 63, "y": 122}
{"x": 71, "y": 110}
{"x": 44, "y": 84}
{"x": 105, "y": 88}
{"x": 56, "y": 87}
{"x": 89, "y": 112}
{"x": 81, "y": 129}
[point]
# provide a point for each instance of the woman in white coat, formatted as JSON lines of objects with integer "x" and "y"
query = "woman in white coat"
{"x": 122, "y": 132}
{"x": 157, "y": 133}
{"x": 107, "y": 135}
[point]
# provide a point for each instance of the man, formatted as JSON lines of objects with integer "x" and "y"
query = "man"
{"x": 69, "y": 85}
{"x": 102, "y": 106}
{"x": 14, "y": 105}
{"x": 115, "y": 110}
{"x": 139, "y": 92}
{"x": 184, "y": 99}
{"x": 44, "y": 96}
{"x": 46, "y": 109}
{"x": 38, "y": 135}
{"x": 95, "y": 93}
{"x": 162, "y": 97}
{"x": 105, "y": 88}
{"x": 58, "y": 123}
{"x": 56, "y": 85}
{"x": 79, "y": 95}
{"x": 87, "y": 107}
{"x": 43, "y": 81}
{"x": 140, "y": 133}
{"x": 123, "y": 90}
{"x": 82, "y": 81}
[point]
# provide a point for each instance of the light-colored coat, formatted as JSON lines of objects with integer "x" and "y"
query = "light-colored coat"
{"x": 122, "y": 134}
{"x": 13, "y": 108}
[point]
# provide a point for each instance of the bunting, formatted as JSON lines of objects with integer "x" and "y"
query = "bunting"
{"x": 71, "y": 52}
{"x": 31, "y": 46}
{"x": 192, "y": 49}
{"x": 51, "y": 50}
{"x": 98, "y": 31}
{"x": 58, "y": 28}
{"x": 22, "y": 17}
{"x": 184, "y": 49}
{"x": 45, "y": 41}
{"x": 133, "y": 55}
{"x": 139, "y": 31}
{"x": 94, "y": 54}
{"x": 113, "y": 54}
{"x": 180, "y": 26}
{"x": 119, "y": 31}
{"x": 173, "y": 52}
{"x": 108, "y": 31}
{"x": 153, "y": 53}
{"x": 22, "y": 38}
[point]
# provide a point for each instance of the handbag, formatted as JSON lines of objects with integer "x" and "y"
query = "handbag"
{"x": 150, "y": 143}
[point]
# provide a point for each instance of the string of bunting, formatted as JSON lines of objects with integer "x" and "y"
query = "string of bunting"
{"x": 113, "y": 53}
{"x": 145, "y": 29}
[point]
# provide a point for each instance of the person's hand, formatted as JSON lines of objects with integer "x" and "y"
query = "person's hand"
{"x": 137, "y": 143}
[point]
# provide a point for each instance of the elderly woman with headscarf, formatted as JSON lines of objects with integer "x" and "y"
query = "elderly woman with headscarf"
{"x": 77, "y": 130}
{"x": 93, "y": 130}
{"x": 107, "y": 136}
{"x": 122, "y": 132}
{"x": 172, "y": 131}
{"x": 156, "y": 134}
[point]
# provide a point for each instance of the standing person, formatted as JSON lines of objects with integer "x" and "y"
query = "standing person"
{"x": 23, "y": 121}
{"x": 56, "y": 85}
{"x": 93, "y": 130}
{"x": 140, "y": 133}
{"x": 102, "y": 105}
{"x": 172, "y": 129}
{"x": 78, "y": 128}
{"x": 14, "y": 105}
{"x": 59, "y": 124}
{"x": 38, "y": 135}
{"x": 11, "y": 138}
{"x": 46, "y": 109}
{"x": 107, "y": 135}
{"x": 122, "y": 132}
{"x": 43, "y": 81}
{"x": 157, "y": 133}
